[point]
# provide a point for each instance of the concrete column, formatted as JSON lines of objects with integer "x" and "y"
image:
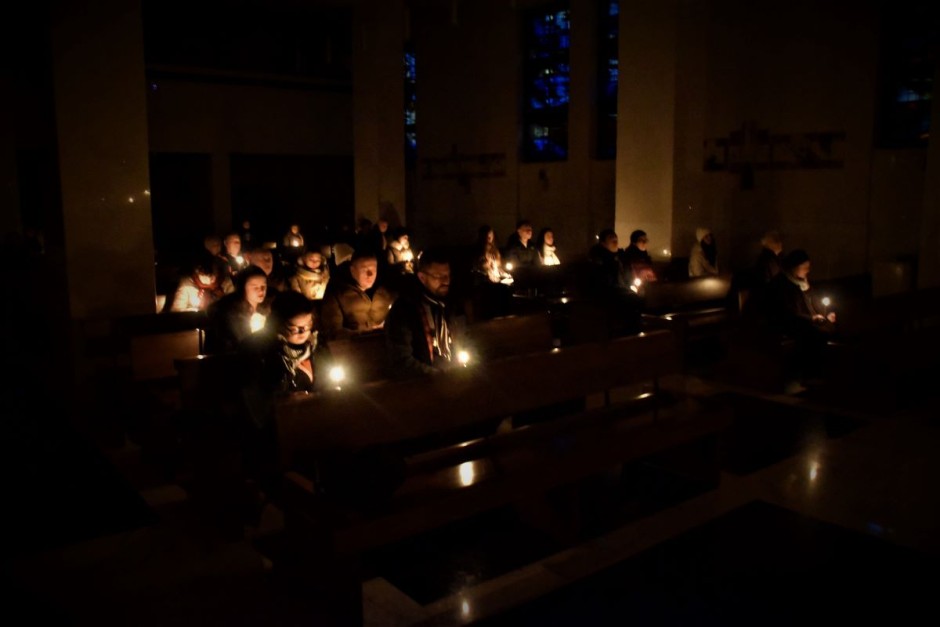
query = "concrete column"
{"x": 101, "y": 120}
{"x": 222, "y": 193}
{"x": 646, "y": 121}
{"x": 378, "y": 107}
{"x": 928, "y": 265}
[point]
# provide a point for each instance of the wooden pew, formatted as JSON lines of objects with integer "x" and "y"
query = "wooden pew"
{"x": 363, "y": 356}
{"x": 695, "y": 308}
{"x": 510, "y": 335}
{"x": 155, "y": 341}
{"x": 447, "y": 480}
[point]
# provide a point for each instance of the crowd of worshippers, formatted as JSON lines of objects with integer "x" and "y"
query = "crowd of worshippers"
{"x": 299, "y": 295}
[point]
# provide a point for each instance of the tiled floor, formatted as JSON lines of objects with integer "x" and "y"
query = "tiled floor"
{"x": 823, "y": 510}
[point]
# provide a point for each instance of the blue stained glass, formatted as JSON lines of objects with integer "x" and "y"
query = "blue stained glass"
{"x": 546, "y": 84}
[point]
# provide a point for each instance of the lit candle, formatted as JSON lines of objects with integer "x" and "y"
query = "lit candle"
{"x": 239, "y": 259}
{"x": 826, "y": 302}
{"x": 257, "y": 322}
{"x": 463, "y": 357}
{"x": 467, "y": 473}
{"x": 337, "y": 374}
{"x": 508, "y": 265}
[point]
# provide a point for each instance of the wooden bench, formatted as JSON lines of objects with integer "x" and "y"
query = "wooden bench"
{"x": 447, "y": 479}
{"x": 695, "y": 309}
{"x": 155, "y": 341}
{"x": 363, "y": 356}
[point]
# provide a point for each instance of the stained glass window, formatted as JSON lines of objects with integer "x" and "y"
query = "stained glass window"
{"x": 411, "y": 136}
{"x": 547, "y": 79}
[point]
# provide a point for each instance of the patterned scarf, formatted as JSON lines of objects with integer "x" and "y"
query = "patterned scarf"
{"x": 435, "y": 327}
{"x": 294, "y": 356}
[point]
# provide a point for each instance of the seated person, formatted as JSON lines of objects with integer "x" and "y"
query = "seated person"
{"x": 609, "y": 271}
{"x": 610, "y": 285}
{"x": 401, "y": 257}
{"x": 233, "y": 254}
{"x": 768, "y": 262}
{"x": 546, "y": 248}
{"x": 421, "y": 329}
{"x": 356, "y": 305}
{"x": 635, "y": 258}
{"x": 294, "y": 238}
{"x": 236, "y": 316}
{"x": 703, "y": 258}
{"x": 264, "y": 259}
{"x": 311, "y": 276}
{"x": 206, "y": 283}
{"x": 285, "y": 360}
{"x": 489, "y": 262}
{"x": 520, "y": 252}
{"x": 792, "y": 313}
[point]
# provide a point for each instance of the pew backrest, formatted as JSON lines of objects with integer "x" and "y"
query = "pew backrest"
{"x": 391, "y": 412}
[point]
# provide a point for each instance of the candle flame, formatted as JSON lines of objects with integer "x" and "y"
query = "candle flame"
{"x": 257, "y": 322}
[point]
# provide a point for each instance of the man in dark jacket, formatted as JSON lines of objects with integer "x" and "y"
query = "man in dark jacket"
{"x": 420, "y": 329}
{"x": 358, "y": 304}
{"x": 520, "y": 251}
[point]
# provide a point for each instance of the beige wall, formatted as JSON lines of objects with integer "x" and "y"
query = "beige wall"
{"x": 646, "y": 122}
{"x": 792, "y": 68}
{"x": 189, "y": 116}
{"x": 98, "y": 82}
{"x": 469, "y": 101}
{"x": 378, "y": 109}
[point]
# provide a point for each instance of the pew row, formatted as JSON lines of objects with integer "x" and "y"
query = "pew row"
{"x": 450, "y": 475}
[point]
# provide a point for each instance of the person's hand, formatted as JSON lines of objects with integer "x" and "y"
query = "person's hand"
{"x": 831, "y": 317}
{"x": 819, "y": 318}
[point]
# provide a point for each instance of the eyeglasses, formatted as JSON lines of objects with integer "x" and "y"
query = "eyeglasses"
{"x": 299, "y": 330}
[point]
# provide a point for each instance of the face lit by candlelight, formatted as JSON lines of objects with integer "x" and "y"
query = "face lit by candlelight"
{"x": 298, "y": 329}
{"x": 233, "y": 245}
{"x": 312, "y": 260}
{"x": 549, "y": 238}
{"x": 256, "y": 288}
{"x": 364, "y": 271}
{"x": 436, "y": 279}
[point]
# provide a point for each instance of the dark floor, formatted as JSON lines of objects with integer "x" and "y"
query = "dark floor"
{"x": 759, "y": 565}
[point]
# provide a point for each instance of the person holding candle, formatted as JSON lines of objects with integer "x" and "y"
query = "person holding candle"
{"x": 233, "y": 253}
{"x": 545, "y": 245}
{"x": 206, "y": 283}
{"x": 793, "y": 314}
{"x": 358, "y": 304}
{"x": 312, "y": 275}
{"x": 236, "y": 316}
{"x": 421, "y": 329}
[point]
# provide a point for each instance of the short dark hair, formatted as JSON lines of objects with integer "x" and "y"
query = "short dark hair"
{"x": 363, "y": 253}
{"x": 604, "y": 234}
{"x": 432, "y": 256}
{"x": 794, "y": 258}
{"x": 290, "y": 304}
{"x": 522, "y": 223}
{"x": 636, "y": 235}
{"x": 242, "y": 278}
